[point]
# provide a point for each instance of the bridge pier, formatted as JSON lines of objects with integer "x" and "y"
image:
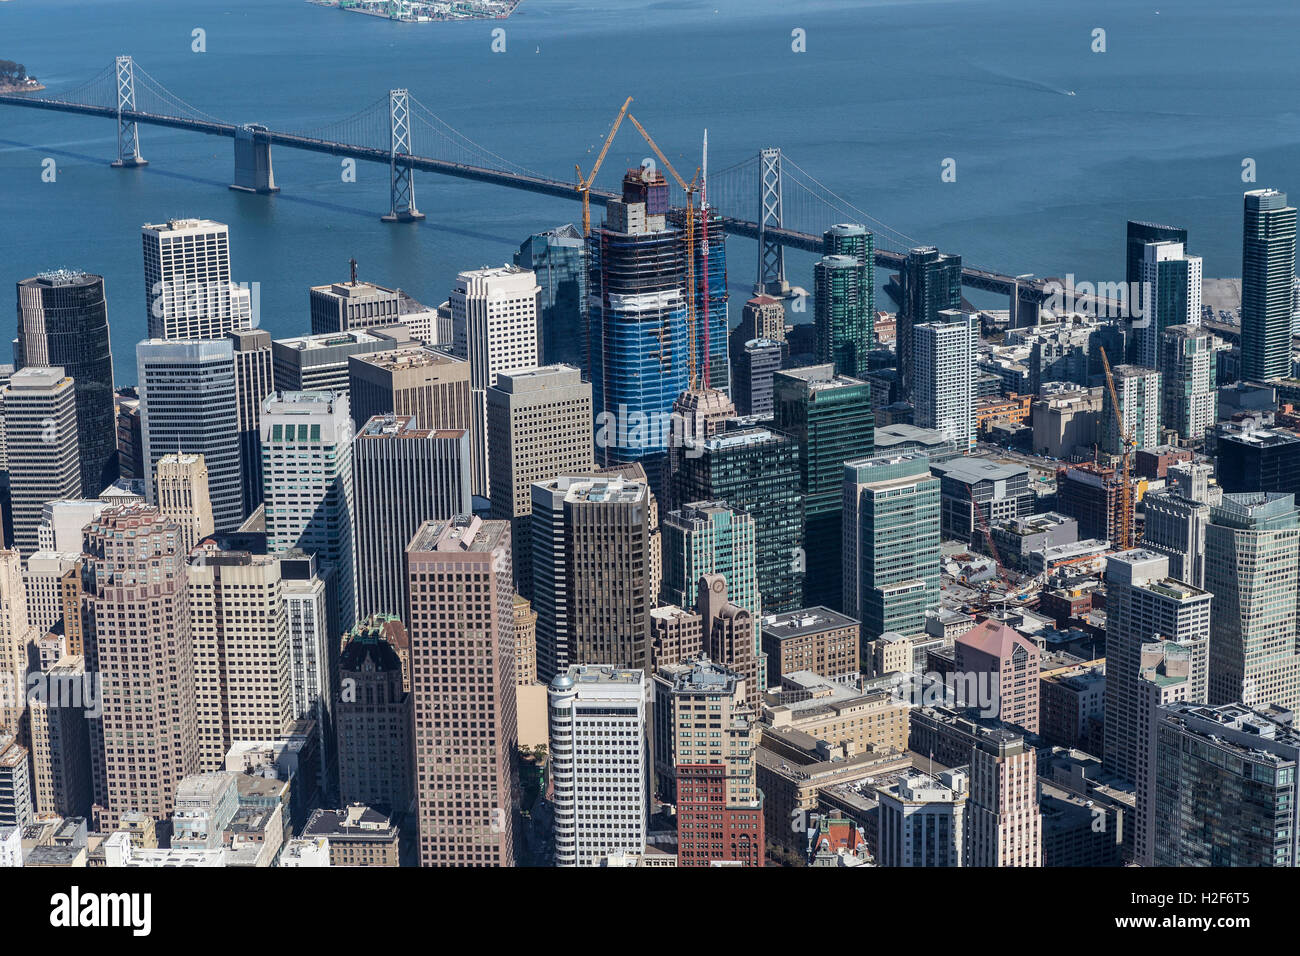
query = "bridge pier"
{"x": 128, "y": 133}
{"x": 771, "y": 253}
{"x": 401, "y": 177}
{"x": 253, "y": 173}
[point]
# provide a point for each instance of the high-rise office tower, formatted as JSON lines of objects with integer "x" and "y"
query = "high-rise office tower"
{"x": 313, "y": 665}
{"x": 412, "y": 379}
{"x": 931, "y": 283}
{"x": 923, "y": 819}
{"x": 494, "y": 324}
{"x": 189, "y": 405}
{"x": 430, "y": 386}
{"x": 698, "y": 414}
{"x": 1186, "y": 363}
{"x": 1007, "y": 665}
{"x": 852, "y": 239}
{"x": 539, "y": 424}
{"x": 1250, "y": 568}
{"x": 15, "y": 785}
{"x": 1168, "y": 676}
{"x": 145, "y": 740}
{"x": 373, "y": 722}
{"x": 60, "y": 736}
{"x": 944, "y": 368}
{"x": 465, "y": 719}
{"x": 187, "y": 287}
{"x": 891, "y": 543}
{"x": 705, "y": 738}
{"x": 597, "y": 735}
{"x": 1171, "y": 295}
{"x": 319, "y": 363}
{"x": 1137, "y": 236}
{"x": 40, "y": 425}
{"x": 345, "y": 306}
{"x": 710, "y": 537}
{"x": 403, "y": 476}
{"x": 830, "y": 415}
{"x": 637, "y": 315}
{"x": 308, "y": 484}
{"x": 1226, "y": 787}
{"x": 43, "y": 577}
{"x": 753, "y": 368}
{"x": 17, "y": 636}
{"x": 710, "y": 298}
{"x": 1267, "y": 275}
{"x": 591, "y": 572}
{"x": 240, "y": 632}
{"x": 840, "y": 313}
{"x": 763, "y": 317}
{"x": 183, "y": 497}
{"x": 757, "y": 470}
{"x": 1004, "y": 826}
{"x": 555, "y": 257}
{"x": 254, "y": 380}
{"x": 1143, "y": 603}
{"x": 63, "y": 322}
{"x": 130, "y": 436}
{"x": 1139, "y": 391}
{"x": 1174, "y": 521}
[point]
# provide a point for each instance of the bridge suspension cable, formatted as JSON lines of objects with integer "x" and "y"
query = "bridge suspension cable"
{"x": 474, "y": 152}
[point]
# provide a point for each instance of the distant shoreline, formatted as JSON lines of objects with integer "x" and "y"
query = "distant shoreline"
{"x": 21, "y": 87}
{"x": 423, "y": 11}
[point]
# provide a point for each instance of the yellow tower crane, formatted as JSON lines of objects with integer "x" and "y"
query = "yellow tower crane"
{"x": 584, "y": 184}
{"x": 690, "y": 189}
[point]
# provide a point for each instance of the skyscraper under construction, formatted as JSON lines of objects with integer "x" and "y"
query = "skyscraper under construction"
{"x": 639, "y": 340}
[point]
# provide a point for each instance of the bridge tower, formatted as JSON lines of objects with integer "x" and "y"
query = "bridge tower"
{"x": 128, "y": 134}
{"x": 253, "y": 173}
{"x": 401, "y": 177}
{"x": 771, "y": 253}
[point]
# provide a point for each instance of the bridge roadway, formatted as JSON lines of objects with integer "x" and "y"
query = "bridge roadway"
{"x": 1031, "y": 290}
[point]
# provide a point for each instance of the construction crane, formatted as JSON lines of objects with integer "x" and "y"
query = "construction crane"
{"x": 1126, "y": 436}
{"x": 988, "y": 537}
{"x": 584, "y": 184}
{"x": 690, "y": 190}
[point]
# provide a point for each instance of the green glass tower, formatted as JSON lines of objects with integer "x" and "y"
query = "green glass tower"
{"x": 830, "y": 415}
{"x": 1267, "y": 276}
{"x": 756, "y": 470}
{"x": 709, "y": 537}
{"x": 891, "y": 543}
{"x": 841, "y": 313}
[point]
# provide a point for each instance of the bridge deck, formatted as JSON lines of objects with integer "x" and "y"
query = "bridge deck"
{"x": 1030, "y": 290}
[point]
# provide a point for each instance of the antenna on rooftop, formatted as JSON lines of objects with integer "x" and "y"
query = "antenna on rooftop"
{"x": 353, "y": 263}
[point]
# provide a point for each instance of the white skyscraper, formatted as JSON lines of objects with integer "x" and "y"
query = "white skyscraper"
{"x": 1171, "y": 295}
{"x": 598, "y": 762}
{"x": 494, "y": 327}
{"x": 307, "y": 483}
{"x": 944, "y": 358}
{"x": 187, "y": 283}
{"x": 1139, "y": 392}
{"x": 40, "y": 425}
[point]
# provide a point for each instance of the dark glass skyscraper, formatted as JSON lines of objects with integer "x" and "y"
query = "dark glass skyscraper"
{"x": 757, "y": 471}
{"x": 63, "y": 322}
{"x": 1267, "y": 276}
{"x": 831, "y": 417}
{"x": 840, "y": 313}
{"x": 1138, "y": 235}
{"x": 931, "y": 283}
{"x": 555, "y": 256}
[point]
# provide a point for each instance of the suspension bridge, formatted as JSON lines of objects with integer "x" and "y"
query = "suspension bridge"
{"x": 787, "y": 206}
